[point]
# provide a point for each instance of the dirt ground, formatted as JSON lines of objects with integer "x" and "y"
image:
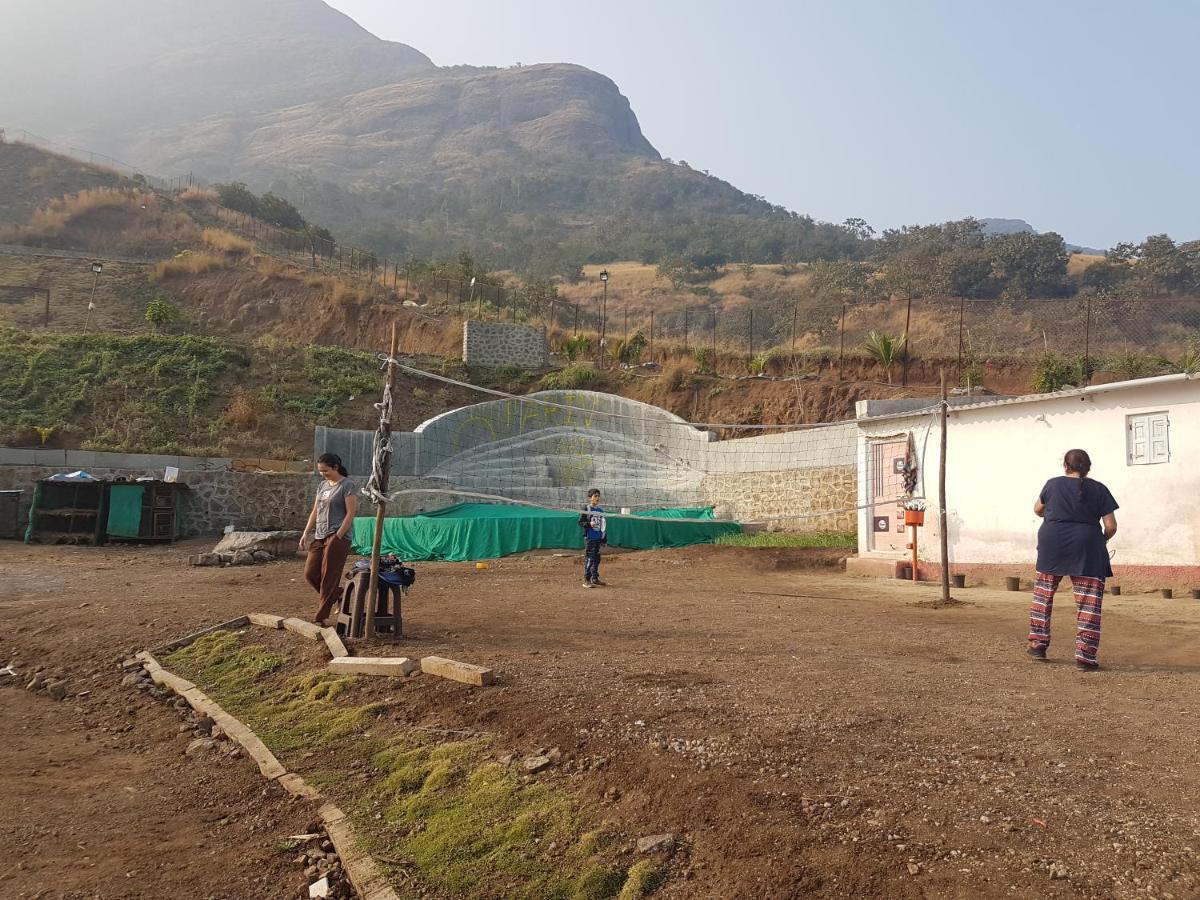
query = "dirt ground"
{"x": 803, "y": 732}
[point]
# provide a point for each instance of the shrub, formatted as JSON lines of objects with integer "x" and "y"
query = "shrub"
{"x": 885, "y": 349}
{"x": 706, "y": 360}
{"x": 1053, "y": 373}
{"x": 676, "y": 378}
{"x": 243, "y": 408}
{"x": 576, "y": 346}
{"x": 573, "y": 377}
{"x": 1128, "y": 366}
{"x": 758, "y": 365}
{"x": 635, "y": 347}
{"x": 160, "y": 312}
{"x": 1190, "y": 362}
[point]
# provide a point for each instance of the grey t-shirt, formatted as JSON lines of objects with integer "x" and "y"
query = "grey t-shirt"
{"x": 331, "y": 507}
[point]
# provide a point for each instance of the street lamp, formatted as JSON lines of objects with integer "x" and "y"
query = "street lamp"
{"x": 97, "y": 268}
{"x": 604, "y": 307}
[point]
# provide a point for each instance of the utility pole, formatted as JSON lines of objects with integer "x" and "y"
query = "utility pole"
{"x": 97, "y": 269}
{"x": 943, "y": 537}
{"x": 383, "y": 453}
{"x": 604, "y": 309}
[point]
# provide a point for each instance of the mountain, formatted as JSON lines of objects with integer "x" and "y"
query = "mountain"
{"x": 540, "y": 167}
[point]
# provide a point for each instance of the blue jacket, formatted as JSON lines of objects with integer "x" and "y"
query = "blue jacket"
{"x": 597, "y": 528}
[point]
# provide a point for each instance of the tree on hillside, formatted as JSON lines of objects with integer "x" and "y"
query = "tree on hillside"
{"x": 279, "y": 212}
{"x": 1029, "y": 265}
{"x": 238, "y": 197}
{"x": 1167, "y": 268}
{"x": 844, "y": 281}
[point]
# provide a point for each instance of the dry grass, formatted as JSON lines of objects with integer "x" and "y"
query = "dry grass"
{"x": 198, "y": 196}
{"x": 226, "y": 242}
{"x": 243, "y": 410}
{"x": 273, "y": 269}
{"x": 126, "y": 221}
{"x": 1080, "y": 262}
{"x": 189, "y": 263}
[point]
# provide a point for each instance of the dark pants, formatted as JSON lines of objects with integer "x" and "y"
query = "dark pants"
{"x": 591, "y": 561}
{"x": 323, "y": 570}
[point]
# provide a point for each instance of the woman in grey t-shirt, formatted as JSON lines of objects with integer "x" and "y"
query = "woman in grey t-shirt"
{"x": 330, "y": 521}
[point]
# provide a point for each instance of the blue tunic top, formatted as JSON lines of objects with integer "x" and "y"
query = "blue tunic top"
{"x": 1070, "y": 541}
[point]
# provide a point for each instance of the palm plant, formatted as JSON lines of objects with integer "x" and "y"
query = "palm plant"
{"x": 885, "y": 349}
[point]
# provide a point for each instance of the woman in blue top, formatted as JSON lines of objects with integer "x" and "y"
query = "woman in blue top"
{"x": 1071, "y": 542}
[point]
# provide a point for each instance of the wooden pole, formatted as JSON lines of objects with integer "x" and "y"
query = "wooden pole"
{"x": 907, "y": 321}
{"x": 842, "y": 344}
{"x": 942, "y": 536}
{"x": 385, "y": 426}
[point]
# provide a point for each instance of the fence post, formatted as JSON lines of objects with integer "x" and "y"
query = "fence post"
{"x": 576, "y": 327}
{"x": 651, "y": 334}
{"x": 795, "y": 316}
{"x": 959, "y": 372}
{"x": 751, "y": 334}
{"x": 1087, "y": 344}
{"x": 685, "y": 328}
{"x": 713, "y": 312}
{"x": 842, "y": 344}
{"x": 907, "y": 320}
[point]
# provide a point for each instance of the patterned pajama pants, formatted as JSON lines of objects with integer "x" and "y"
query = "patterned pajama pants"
{"x": 1089, "y": 594}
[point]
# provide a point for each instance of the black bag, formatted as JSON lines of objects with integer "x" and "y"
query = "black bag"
{"x": 584, "y": 520}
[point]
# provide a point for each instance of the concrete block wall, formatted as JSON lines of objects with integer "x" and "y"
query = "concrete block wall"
{"x": 820, "y": 499}
{"x": 496, "y": 344}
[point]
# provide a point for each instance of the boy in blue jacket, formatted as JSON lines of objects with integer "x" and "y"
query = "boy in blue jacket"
{"x": 595, "y": 534}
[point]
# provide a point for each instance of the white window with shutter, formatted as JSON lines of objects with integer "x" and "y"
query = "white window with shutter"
{"x": 1149, "y": 439}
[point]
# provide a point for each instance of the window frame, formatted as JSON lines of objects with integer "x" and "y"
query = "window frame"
{"x": 1148, "y": 419}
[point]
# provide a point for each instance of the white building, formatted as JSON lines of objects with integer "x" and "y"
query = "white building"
{"x": 1144, "y": 440}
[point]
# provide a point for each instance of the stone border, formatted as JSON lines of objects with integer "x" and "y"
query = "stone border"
{"x": 365, "y": 876}
{"x": 344, "y": 663}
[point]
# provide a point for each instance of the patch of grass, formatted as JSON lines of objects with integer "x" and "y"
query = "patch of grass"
{"x": 226, "y": 242}
{"x": 140, "y": 392}
{"x": 323, "y": 382}
{"x": 645, "y": 878}
{"x": 787, "y": 539}
{"x": 465, "y": 825}
{"x": 573, "y": 377}
{"x": 302, "y": 715}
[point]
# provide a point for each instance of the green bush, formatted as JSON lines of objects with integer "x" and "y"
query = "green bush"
{"x": 573, "y": 377}
{"x": 160, "y": 312}
{"x": 706, "y": 360}
{"x": 1128, "y": 366}
{"x": 1189, "y": 363}
{"x": 1053, "y": 373}
{"x": 576, "y": 346}
{"x": 758, "y": 365}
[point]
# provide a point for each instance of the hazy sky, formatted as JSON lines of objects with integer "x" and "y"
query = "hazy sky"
{"x": 1080, "y": 117}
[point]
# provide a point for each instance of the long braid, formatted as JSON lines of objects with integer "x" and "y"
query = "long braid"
{"x": 1080, "y": 463}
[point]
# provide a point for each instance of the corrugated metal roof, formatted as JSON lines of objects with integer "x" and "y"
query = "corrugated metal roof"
{"x": 1091, "y": 390}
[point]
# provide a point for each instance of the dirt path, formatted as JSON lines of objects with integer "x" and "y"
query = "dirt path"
{"x": 844, "y": 742}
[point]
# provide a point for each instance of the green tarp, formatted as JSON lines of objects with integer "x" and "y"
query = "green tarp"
{"x": 468, "y": 531}
{"x": 125, "y": 510}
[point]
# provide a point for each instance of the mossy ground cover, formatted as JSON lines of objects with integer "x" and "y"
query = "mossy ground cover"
{"x": 785, "y": 539}
{"x": 441, "y": 812}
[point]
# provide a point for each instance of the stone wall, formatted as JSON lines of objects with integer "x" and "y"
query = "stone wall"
{"x": 496, "y": 344}
{"x": 821, "y": 499}
{"x": 261, "y": 502}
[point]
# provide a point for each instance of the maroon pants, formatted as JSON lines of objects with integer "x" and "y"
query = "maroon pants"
{"x": 323, "y": 570}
